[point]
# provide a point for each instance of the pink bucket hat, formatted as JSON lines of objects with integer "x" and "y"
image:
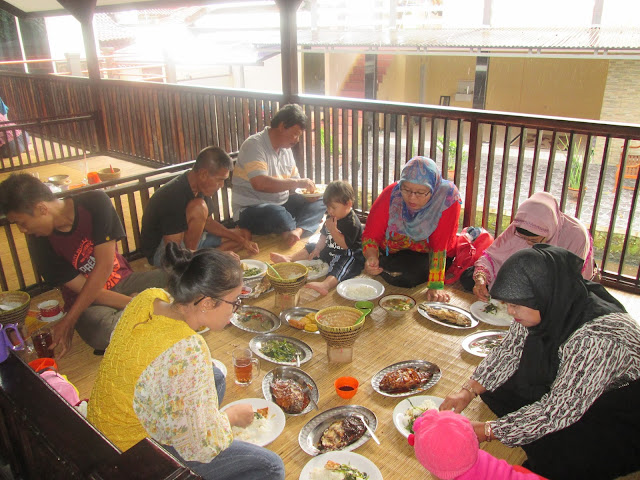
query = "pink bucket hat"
{"x": 445, "y": 443}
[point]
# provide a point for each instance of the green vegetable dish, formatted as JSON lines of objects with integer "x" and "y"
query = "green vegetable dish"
{"x": 351, "y": 473}
{"x": 280, "y": 350}
{"x": 491, "y": 308}
{"x": 251, "y": 272}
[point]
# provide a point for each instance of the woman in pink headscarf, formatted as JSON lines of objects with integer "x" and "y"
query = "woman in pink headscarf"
{"x": 538, "y": 220}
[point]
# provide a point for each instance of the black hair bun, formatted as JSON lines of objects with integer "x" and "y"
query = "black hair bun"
{"x": 176, "y": 258}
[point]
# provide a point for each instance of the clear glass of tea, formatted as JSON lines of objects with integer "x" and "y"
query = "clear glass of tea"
{"x": 42, "y": 340}
{"x": 245, "y": 365}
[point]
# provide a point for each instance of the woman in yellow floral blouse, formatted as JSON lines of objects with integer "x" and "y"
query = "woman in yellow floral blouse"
{"x": 156, "y": 379}
{"x": 411, "y": 226}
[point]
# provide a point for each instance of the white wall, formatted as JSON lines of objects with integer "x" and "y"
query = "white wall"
{"x": 267, "y": 78}
{"x": 65, "y": 36}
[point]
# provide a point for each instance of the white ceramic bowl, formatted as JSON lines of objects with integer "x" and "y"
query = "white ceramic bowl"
{"x": 397, "y": 305}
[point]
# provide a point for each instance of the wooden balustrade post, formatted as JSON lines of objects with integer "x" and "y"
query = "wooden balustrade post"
{"x": 289, "y": 47}
{"x": 473, "y": 172}
{"x": 82, "y": 10}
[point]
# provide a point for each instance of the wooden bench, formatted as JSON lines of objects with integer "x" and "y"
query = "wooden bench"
{"x": 42, "y": 436}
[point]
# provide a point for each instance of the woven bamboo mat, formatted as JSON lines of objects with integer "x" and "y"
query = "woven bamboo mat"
{"x": 384, "y": 341}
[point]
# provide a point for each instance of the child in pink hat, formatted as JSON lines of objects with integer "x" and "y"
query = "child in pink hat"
{"x": 446, "y": 445}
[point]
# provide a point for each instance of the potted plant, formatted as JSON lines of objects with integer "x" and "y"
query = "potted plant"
{"x": 575, "y": 172}
{"x": 452, "y": 148}
{"x": 575, "y": 167}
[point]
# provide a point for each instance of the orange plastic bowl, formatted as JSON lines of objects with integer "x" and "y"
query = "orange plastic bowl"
{"x": 346, "y": 387}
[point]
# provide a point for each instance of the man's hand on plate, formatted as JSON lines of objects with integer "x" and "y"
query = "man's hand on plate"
{"x": 306, "y": 184}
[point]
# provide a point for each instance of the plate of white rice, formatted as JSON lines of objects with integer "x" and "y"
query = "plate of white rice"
{"x": 315, "y": 468}
{"x": 360, "y": 288}
{"x": 262, "y": 431}
{"x": 411, "y": 408}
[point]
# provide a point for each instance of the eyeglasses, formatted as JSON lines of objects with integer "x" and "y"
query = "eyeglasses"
{"x": 235, "y": 305}
{"x": 408, "y": 193}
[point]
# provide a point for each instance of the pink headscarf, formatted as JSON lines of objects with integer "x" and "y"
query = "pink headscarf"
{"x": 541, "y": 215}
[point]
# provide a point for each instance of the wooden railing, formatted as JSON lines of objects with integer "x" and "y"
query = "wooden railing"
{"x": 129, "y": 196}
{"x": 49, "y": 140}
{"x": 499, "y": 158}
{"x": 42, "y": 436}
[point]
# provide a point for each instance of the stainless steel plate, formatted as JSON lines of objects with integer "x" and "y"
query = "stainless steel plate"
{"x": 297, "y": 313}
{"x": 297, "y": 376}
{"x": 446, "y": 306}
{"x": 255, "y": 319}
{"x": 259, "y": 341}
{"x": 311, "y": 433}
{"x": 474, "y": 343}
{"x": 420, "y": 365}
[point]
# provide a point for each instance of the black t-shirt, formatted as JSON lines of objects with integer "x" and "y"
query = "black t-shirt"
{"x": 62, "y": 256}
{"x": 351, "y": 228}
{"x": 165, "y": 214}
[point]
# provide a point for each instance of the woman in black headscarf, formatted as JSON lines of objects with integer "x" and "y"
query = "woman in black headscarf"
{"x": 564, "y": 383}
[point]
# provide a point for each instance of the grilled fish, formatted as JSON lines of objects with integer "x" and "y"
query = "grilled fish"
{"x": 341, "y": 433}
{"x": 289, "y": 396}
{"x": 404, "y": 380}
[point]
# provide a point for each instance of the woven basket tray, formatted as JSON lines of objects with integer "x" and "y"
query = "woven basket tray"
{"x": 18, "y": 314}
{"x": 293, "y": 276}
{"x": 338, "y": 327}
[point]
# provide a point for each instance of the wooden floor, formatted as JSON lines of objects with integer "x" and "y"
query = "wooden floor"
{"x": 384, "y": 341}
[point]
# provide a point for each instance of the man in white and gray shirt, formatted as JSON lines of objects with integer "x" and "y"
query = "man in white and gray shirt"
{"x": 265, "y": 178}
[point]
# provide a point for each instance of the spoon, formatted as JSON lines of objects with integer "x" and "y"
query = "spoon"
{"x": 307, "y": 390}
{"x": 298, "y": 359}
{"x": 373, "y": 435}
{"x": 392, "y": 274}
{"x": 276, "y": 271}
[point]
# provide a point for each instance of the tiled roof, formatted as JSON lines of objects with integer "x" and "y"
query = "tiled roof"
{"x": 603, "y": 39}
{"x": 106, "y": 29}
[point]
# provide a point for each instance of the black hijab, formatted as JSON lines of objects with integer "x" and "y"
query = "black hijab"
{"x": 548, "y": 279}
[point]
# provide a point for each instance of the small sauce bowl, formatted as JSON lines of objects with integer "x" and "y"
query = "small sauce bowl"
{"x": 346, "y": 387}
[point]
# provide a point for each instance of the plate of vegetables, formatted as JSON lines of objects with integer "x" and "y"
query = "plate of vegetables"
{"x": 253, "y": 269}
{"x": 409, "y": 409}
{"x": 280, "y": 349}
{"x": 255, "y": 319}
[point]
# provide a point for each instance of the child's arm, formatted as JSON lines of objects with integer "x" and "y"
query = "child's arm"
{"x": 322, "y": 241}
{"x": 332, "y": 226}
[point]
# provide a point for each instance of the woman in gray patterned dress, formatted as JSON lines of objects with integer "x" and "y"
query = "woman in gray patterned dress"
{"x": 564, "y": 383}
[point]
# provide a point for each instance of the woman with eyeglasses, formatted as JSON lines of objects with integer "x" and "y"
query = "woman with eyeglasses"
{"x": 411, "y": 226}
{"x": 156, "y": 379}
{"x": 538, "y": 220}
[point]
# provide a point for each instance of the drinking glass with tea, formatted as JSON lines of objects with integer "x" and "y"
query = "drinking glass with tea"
{"x": 42, "y": 340}
{"x": 245, "y": 366}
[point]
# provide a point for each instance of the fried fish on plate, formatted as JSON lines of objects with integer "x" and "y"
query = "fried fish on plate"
{"x": 448, "y": 316}
{"x": 341, "y": 433}
{"x": 404, "y": 380}
{"x": 289, "y": 395}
